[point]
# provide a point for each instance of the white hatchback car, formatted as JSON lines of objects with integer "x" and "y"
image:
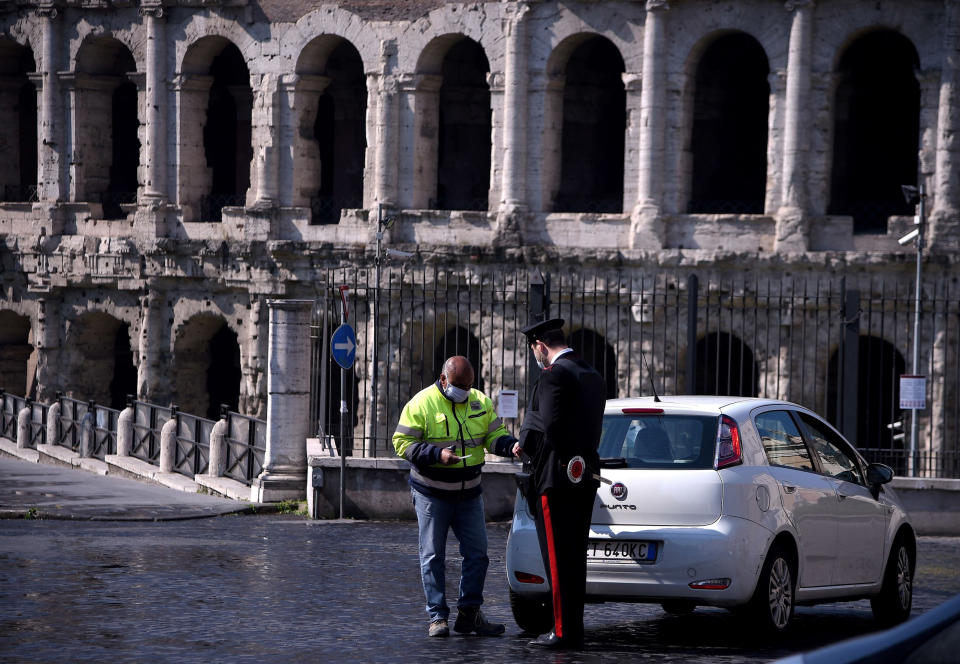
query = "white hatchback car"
{"x": 730, "y": 502}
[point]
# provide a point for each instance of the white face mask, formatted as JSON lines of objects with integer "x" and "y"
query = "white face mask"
{"x": 455, "y": 393}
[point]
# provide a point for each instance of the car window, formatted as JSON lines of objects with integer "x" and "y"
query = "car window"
{"x": 782, "y": 440}
{"x": 836, "y": 460}
{"x": 660, "y": 441}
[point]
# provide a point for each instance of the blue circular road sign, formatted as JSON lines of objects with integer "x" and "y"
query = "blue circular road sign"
{"x": 343, "y": 345}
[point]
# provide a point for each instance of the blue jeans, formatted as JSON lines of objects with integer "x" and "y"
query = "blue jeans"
{"x": 435, "y": 517}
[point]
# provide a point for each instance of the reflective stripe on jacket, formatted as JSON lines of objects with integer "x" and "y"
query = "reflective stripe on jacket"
{"x": 430, "y": 421}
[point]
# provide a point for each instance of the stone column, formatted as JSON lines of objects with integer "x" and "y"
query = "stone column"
{"x": 386, "y": 138}
{"x": 633, "y": 88}
{"x": 153, "y": 377}
{"x": 284, "y": 475}
{"x": 264, "y": 134}
{"x": 943, "y": 229}
{"x": 155, "y": 116}
{"x": 426, "y": 109}
{"x": 647, "y": 231}
{"x": 792, "y": 217}
{"x": 51, "y": 150}
{"x": 300, "y": 166}
{"x": 48, "y": 347}
{"x": 549, "y": 89}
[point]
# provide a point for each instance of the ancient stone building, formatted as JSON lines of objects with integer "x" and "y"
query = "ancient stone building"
{"x": 170, "y": 165}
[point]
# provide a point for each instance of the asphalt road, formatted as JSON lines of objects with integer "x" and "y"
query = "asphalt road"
{"x": 279, "y": 588}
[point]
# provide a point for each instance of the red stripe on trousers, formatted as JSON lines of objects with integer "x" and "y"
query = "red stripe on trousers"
{"x": 554, "y": 575}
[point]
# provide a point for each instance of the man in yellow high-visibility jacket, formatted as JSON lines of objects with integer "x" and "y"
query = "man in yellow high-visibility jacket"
{"x": 443, "y": 432}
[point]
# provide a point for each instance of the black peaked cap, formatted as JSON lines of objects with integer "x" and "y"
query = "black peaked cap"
{"x": 534, "y": 331}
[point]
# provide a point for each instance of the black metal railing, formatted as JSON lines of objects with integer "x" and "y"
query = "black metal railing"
{"x": 246, "y": 446}
{"x": 192, "y": 452}
{"x": 148, "y": 419}
{"x": 104, "y": 431}
{"x": 70, "y": 421}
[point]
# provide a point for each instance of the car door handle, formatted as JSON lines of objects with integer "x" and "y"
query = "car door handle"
{"x": 842, "y": 496}
{"x": 788, "y": 489}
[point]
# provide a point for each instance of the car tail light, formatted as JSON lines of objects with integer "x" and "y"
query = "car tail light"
{"x": 728, "y": 443}
{"x": 643, "y": 411}
{"x": 711, "y": 584}
{"x": 525, "y": 577}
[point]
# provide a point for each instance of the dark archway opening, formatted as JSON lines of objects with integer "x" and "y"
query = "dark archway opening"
{"x": 124, "y": 380}
{"x": 15, "y": 352}
{"x": 729, "y": 136}
{"x": 340, "y": 132}
{"x": 725, "y": 366}
{"x": 223, "y": 373}
{"x": 463, "y": 166}
{"x": 18, "y": 123}
{"x": 594, "y": 121}
{"x": 125, "y": 151}
{"x": 876, "y": 130}
{"x": 879, "y": 367}
{"x": 227, "y": 133}
{"x": 593, "y": 348}
{"x": 458, "y": 341}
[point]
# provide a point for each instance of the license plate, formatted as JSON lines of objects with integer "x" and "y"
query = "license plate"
{"x": 624, "y": 550}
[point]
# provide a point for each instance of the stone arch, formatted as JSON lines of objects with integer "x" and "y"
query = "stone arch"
{"x": 452, "y": 102}
{"x": 876, "y": 94}
{"x": 588, "y": 94}
{"x": 214, "y": 157}
{"x": 457, "y": 340}
{"x": 206, "y": 363}
{"x": 102, "y": 367}
{"x": 105, "y": 114}
{"x": 879, "y": 367}
{"x": 18, "y": 122}
{"x": 330, "y": 102}
{"x": 15, "y": 353}
{"x": 728, "y": 139}
{"x": 597, "y": 351}
{"x": 725, "y": 366}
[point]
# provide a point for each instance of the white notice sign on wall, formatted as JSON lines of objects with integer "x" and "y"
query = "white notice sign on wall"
{"x": 913, "y": 392}
{"x": 507, "y": 406}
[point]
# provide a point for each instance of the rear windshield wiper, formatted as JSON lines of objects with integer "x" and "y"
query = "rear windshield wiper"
{"x": 613, "y": 462}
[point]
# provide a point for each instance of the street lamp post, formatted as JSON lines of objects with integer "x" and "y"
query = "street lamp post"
{"x": 916, "y": 196}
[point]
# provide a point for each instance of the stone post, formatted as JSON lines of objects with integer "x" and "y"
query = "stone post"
{"x": 53, "y": 421}
{"x": 218, "y": 448}
{"x": 513, "y": 152}
{"x": 943, "y": 233}
{"x": 264, "y": 135}
{"x": 646, "y": 224}
{"x": 48, "y": 347}
{"x": 155, "y": 186}
{"x": 168, "y": 443}
{"x": 51, "y": 149}
{"x": 125, "y": 430}
{"x": 284, "y": 475}
{"x": 23, "y": 427}
{"x": 792, "y": 232}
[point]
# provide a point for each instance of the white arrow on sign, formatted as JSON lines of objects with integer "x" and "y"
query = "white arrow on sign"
{"x": 347, "y": 345}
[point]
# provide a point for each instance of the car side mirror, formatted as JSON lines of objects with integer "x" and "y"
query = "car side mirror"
{"x": 878, "y": 473}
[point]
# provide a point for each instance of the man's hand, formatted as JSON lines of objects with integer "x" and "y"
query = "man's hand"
{"x": 517, "y": 450}
{"x": 448, "y": 457}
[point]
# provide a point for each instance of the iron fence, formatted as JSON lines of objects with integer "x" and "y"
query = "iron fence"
{"x": 148, "y": 419}
{"x": 69, "y": 423}
{"x": 104, "y": 431}
{"x": 836, "y": 345}
{"x": 192, "y": 452}
{"x": 246, "y": 447}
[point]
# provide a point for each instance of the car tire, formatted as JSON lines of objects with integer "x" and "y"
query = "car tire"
{"x": 775, "y": 597}
{"x": 893, "y": 604}
{"x": 531, "y": 614}
{"x": 678, "y": 607}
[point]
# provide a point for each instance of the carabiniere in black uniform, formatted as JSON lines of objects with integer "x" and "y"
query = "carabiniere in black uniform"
{"x": 564, "y": 420}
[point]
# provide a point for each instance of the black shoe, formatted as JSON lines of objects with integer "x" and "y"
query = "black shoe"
{"x": 551, "y": 641}
{"x": 471, "y": 619}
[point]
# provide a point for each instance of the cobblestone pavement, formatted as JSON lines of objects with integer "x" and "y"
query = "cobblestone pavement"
{"x": 286, "y": 589}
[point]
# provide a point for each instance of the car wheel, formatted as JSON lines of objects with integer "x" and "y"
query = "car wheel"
{"x": 895, "y": 600}
{"x": 678, "y": 607}
{"x": 773, "y": 600}
{"x": 531, "y": 615}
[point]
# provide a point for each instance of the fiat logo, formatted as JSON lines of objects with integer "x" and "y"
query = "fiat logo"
{"x": 619, "y": 491}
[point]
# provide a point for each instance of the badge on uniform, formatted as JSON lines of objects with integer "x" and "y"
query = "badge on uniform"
{"x": 475, "y": 405}
{"x": 575, "y": 469}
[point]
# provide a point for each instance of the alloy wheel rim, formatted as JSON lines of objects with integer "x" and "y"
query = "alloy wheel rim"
{"x": 904, "y": 583}
{"x": 781, "y": 593}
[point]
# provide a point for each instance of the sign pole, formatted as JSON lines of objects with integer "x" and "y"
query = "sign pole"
{"x": 343, "y": 411}
{"x": 914, "y": 418}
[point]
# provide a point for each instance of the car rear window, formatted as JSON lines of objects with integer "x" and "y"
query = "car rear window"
{"x": 660, "y": 441}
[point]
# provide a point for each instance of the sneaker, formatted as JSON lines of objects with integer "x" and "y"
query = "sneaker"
{"x": 439, "y": 628}
{"x": 471, "y": 619}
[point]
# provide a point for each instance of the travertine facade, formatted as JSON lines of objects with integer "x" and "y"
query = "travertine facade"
{"x": 502, "y": 134}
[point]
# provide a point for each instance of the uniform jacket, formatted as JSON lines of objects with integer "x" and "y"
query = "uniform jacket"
{"x": 429, "y": 422}
{"x": 565, "y": 419}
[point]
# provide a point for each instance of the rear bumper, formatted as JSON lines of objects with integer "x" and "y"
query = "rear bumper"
{"x": 730, "y": 548}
